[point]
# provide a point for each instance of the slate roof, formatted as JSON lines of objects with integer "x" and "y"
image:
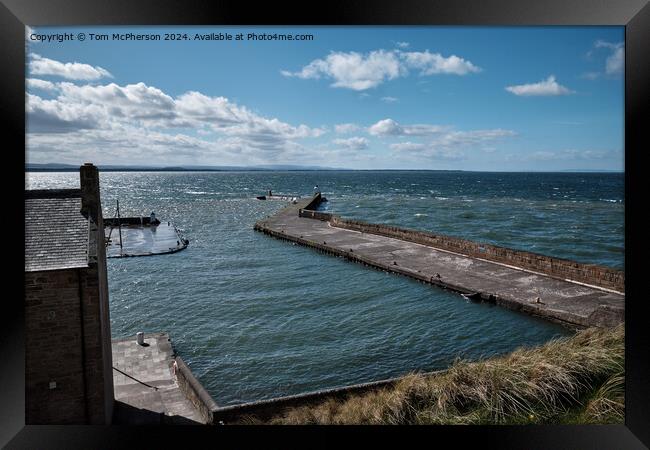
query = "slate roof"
{"x": 56, "y": 234}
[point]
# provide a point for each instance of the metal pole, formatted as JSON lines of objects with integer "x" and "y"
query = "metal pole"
{"x": 119, "y": 225}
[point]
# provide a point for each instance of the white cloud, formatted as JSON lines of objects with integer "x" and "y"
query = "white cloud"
{"x": 35, "y": 83}
{"x": 389, "y": 99}
{"x": 402, "y": 44}
{"x": 359, "y": 72}
{"x": 386, "y": 127}
{"x": 133, "y": 101}
{"x": 615, "y": 61}
{"x": 39, "y": 65}
{"x": 234, "y": 120}
{"x": 353, "y": 70}
{"x": 474, "y": 137}
{"x": 150, "y": 107}
{"x": 435, "y": 63}
{"x": 344, "y": 128}
{"x": 604, "y": 44}
{"x": 353, "y": 143}
{"x": 448, "y": 145}
{"x": 408, "y": 147}
{"x": 137, "y": 120}
{"x": 53, "y": 116}
{"x": 389, "y": 127}
{"x": 546, "y": 87}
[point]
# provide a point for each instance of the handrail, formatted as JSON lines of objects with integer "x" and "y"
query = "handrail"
{"x": 135, "y": 379}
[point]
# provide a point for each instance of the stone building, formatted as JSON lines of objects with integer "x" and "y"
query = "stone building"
{"x": 68, "y": 362}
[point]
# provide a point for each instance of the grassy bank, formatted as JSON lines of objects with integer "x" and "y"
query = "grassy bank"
{"x": 579, "y": 379}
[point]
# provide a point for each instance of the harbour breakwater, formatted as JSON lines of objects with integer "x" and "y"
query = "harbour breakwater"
{"x": 591, "y": 274}
{"x": 574, "y": 294}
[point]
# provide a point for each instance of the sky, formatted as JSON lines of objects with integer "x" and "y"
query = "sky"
{"x": 426, "y": 97}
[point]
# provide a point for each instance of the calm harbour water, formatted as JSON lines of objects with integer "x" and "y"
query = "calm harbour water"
{"x": 257, "y": 318}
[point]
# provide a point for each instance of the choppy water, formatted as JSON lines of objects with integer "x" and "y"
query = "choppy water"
{"x": 257, "y": 318}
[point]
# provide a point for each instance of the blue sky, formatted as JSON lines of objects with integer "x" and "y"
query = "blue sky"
{"x": 469, "y": 98}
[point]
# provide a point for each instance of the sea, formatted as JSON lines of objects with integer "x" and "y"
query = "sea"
{"x": 257, "y": 318}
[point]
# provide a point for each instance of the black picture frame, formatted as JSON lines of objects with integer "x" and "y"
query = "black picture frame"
{"x": 633, "y": 14}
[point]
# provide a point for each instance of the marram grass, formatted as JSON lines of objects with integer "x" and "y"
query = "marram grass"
{"x": 577, "y": 379}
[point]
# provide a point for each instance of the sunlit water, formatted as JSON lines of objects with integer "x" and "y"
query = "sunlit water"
{"x": 257, "y": 318}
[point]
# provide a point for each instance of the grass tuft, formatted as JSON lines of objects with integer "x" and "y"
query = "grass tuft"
{"x": 575, "y": 379}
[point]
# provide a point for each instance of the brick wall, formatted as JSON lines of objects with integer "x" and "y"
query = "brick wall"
{"x": 98, "y": 357}
{"x": 53, "y": 350}
{"x": 556, "y": 267}
{"x": 60, "y": 347}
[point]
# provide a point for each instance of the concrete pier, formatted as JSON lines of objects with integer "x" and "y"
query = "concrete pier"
{"x": 576, "y": 295}
{"x": 153, "y": 385}
{"x": 280, "y": 197}
{"x": 145, "y": 240}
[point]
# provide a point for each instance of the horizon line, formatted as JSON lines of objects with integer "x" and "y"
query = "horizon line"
{"x": 65, "y": 167}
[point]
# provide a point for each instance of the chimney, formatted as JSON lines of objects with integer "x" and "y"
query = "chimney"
{"x": 89, "y": 180}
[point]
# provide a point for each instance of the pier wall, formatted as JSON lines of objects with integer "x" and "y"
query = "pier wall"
{"x": 326, "y": 217}
{"x": 194, "y": 391}
{"x": 313, "y": 202}
{"x": 555, "y": 267}
{"x": 600, "y": 302}
{"x": 266, "y": 409}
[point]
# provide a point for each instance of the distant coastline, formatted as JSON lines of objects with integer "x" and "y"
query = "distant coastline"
{"x": 115, "y": 168}
{"x": 53, "y": 167}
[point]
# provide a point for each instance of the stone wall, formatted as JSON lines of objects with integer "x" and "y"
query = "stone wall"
{"x": 64, "y": 344}
{"x": 555, "y": 267}
{"x": 194, "y": 391}
{"x": 54, "y": 349}
{"x": 98, "y": 355}
{"x": 314, "y": 215}
{"x": 266, "y": 409}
